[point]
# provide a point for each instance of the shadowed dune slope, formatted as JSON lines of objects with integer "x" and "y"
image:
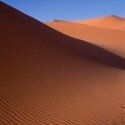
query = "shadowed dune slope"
{"x": 56, "y": 39}
{"x": 113, "y": 22}
{"x": 111, "y": 39}
{"x": 48, "y": 78}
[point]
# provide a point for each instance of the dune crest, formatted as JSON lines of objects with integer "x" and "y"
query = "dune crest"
{"x": 113, "y": 22}
{"x": 57, "y": 20}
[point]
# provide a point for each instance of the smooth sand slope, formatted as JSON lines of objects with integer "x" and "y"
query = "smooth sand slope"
{"x": 48, "y": 78}
{"x": 108, "y": 38}
{"x": 113, "y": 22}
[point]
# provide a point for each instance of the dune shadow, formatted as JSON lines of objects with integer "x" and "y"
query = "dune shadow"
{"x": 92, "y": 52}
{"x": 100, "y": 55}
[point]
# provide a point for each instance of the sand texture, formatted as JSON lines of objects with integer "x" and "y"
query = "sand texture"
{"x": 50, "y": 77}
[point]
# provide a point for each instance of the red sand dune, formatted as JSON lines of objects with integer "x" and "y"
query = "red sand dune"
{"x": 48, "y": 78}
{"x": 113, "y": 22}
{"x": 111, "y": 39}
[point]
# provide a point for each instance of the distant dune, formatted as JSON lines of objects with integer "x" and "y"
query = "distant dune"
{"x": 50, "y": 78}
{"x": 111, "y": 39}
{"x": 113, "y": 22}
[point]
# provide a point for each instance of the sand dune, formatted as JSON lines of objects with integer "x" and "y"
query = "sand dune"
{"x": 113, "y": 22}
{"x": 110, "y": 39}
{"x": 48, "y": 78}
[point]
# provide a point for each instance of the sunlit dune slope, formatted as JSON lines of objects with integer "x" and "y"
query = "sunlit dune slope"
{"x": 110, "y": 39}
{"x": 113, "y": 22}
{"x": 48, "y": 78}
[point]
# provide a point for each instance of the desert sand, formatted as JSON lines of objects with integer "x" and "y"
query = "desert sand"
{"x": 53, "y": 78}
{"x": 113, "y": 22}
{"x": 108, "y": 38}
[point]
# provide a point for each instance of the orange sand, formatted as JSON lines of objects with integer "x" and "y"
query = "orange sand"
{"x": 111, "y": 39}
{"x": 113, "y": 22}
{"x": 49, "y": 78}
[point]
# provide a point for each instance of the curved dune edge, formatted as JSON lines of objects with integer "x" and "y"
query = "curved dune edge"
{"x": 109, "y": 39}
{"x": 75, "y": 46}
{"x": 47, "y": 80}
